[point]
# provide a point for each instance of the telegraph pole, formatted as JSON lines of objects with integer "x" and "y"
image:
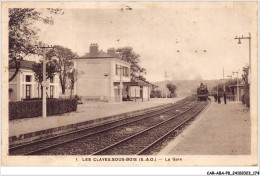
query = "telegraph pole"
{"x": 44, "y": 84}
{"x": 237, "y": 85}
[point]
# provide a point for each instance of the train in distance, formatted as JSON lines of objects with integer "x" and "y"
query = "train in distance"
{"x": 202, "y": 92}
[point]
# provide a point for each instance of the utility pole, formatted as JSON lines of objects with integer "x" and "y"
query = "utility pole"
{"x": 44, "y": 84}
{"x": 120, "y": 84}
{"x": 166, "y": 76}
{"x": 237, "y": 85}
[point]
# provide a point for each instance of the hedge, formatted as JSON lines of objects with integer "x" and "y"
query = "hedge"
{"x": 28, "y": 109}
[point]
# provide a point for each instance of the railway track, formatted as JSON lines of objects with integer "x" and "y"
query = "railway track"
{"x": 93, "y": 143}
{"x": 40, "y": 146}
{"x": 145, "y": 140}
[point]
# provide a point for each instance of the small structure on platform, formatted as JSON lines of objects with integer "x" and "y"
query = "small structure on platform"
{"x": 138, "y": 89}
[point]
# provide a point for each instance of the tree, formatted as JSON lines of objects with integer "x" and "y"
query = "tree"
{"x": 63, "y": 59}
{"x": 73, "y": 76}
{"x": 50, "y": 73}
{"x": 246, "y": 96}
{"x": 245, "y": 74}
{"x": 171, "y": 88}
{"x": 130, "y": 56}
{"x": 23, "y": 33}
{"x": 140, "y": 73}
{"x": 156, "y": 94}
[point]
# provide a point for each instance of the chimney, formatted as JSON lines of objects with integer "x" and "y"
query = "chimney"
{"x": 111, "y": 52}
{"x": 93, "y": 50}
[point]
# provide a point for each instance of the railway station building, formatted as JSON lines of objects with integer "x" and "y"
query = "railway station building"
{"x": 100, "y": 78}
{"x": 24, "y": 86}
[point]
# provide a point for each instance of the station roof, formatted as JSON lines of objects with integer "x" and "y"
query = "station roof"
{"x": 25, "y": 64}
{"x": 103, "y": 55}
{"x": 139, "y": 83}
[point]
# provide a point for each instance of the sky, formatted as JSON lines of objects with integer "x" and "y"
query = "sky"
{"x": 188, "y": 40}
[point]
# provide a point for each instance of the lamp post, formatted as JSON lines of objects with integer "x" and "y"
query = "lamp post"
{"x": 44, "y": 83}
{"x": 239, "y": 42}
{"x": 237, "y": 85}
{"x": 249, "y": 39}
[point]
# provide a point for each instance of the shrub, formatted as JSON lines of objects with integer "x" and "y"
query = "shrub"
{"x": 243, "y": 98}
{"x": 246, "y": 100}
{"x": 28, "y": 109}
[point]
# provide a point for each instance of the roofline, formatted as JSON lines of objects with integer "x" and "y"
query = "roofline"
{"x": 121, "y": 60}
{"x": 92, "y": 57}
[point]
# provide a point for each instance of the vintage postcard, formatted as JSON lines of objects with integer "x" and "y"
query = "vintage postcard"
{"x": 129, "y": 83}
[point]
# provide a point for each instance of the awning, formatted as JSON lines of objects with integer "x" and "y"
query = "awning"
{"x": 137, "y": 83}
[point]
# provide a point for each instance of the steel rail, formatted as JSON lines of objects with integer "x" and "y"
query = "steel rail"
{"x": 141, "y": 132}
{"x": 88, "y": 135}
{"x": 167, "y": 134}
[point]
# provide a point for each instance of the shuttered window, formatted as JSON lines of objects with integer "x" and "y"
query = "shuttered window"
{"x": 116, "y": 69}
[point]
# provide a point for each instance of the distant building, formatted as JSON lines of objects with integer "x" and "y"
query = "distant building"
{"x": 101, "y": 76}
{"x": 24, "y": 86}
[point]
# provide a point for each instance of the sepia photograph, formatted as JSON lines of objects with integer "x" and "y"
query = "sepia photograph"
{"x": 129, "y": 83}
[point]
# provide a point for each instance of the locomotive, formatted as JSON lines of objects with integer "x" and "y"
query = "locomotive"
{"x": 202, "y": 92}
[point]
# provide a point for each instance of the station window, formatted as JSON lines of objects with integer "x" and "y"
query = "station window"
{"x": 51, "y": 79}
{"x": 28, "y": 91}
{"x": 125, "y": 71}
{"x": 28, "y": 78}
{"x": 51, "y": 91}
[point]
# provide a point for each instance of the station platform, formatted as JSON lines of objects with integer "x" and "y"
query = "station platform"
{"x": 221, "y": 129}
{"x": 87, "y": 114}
